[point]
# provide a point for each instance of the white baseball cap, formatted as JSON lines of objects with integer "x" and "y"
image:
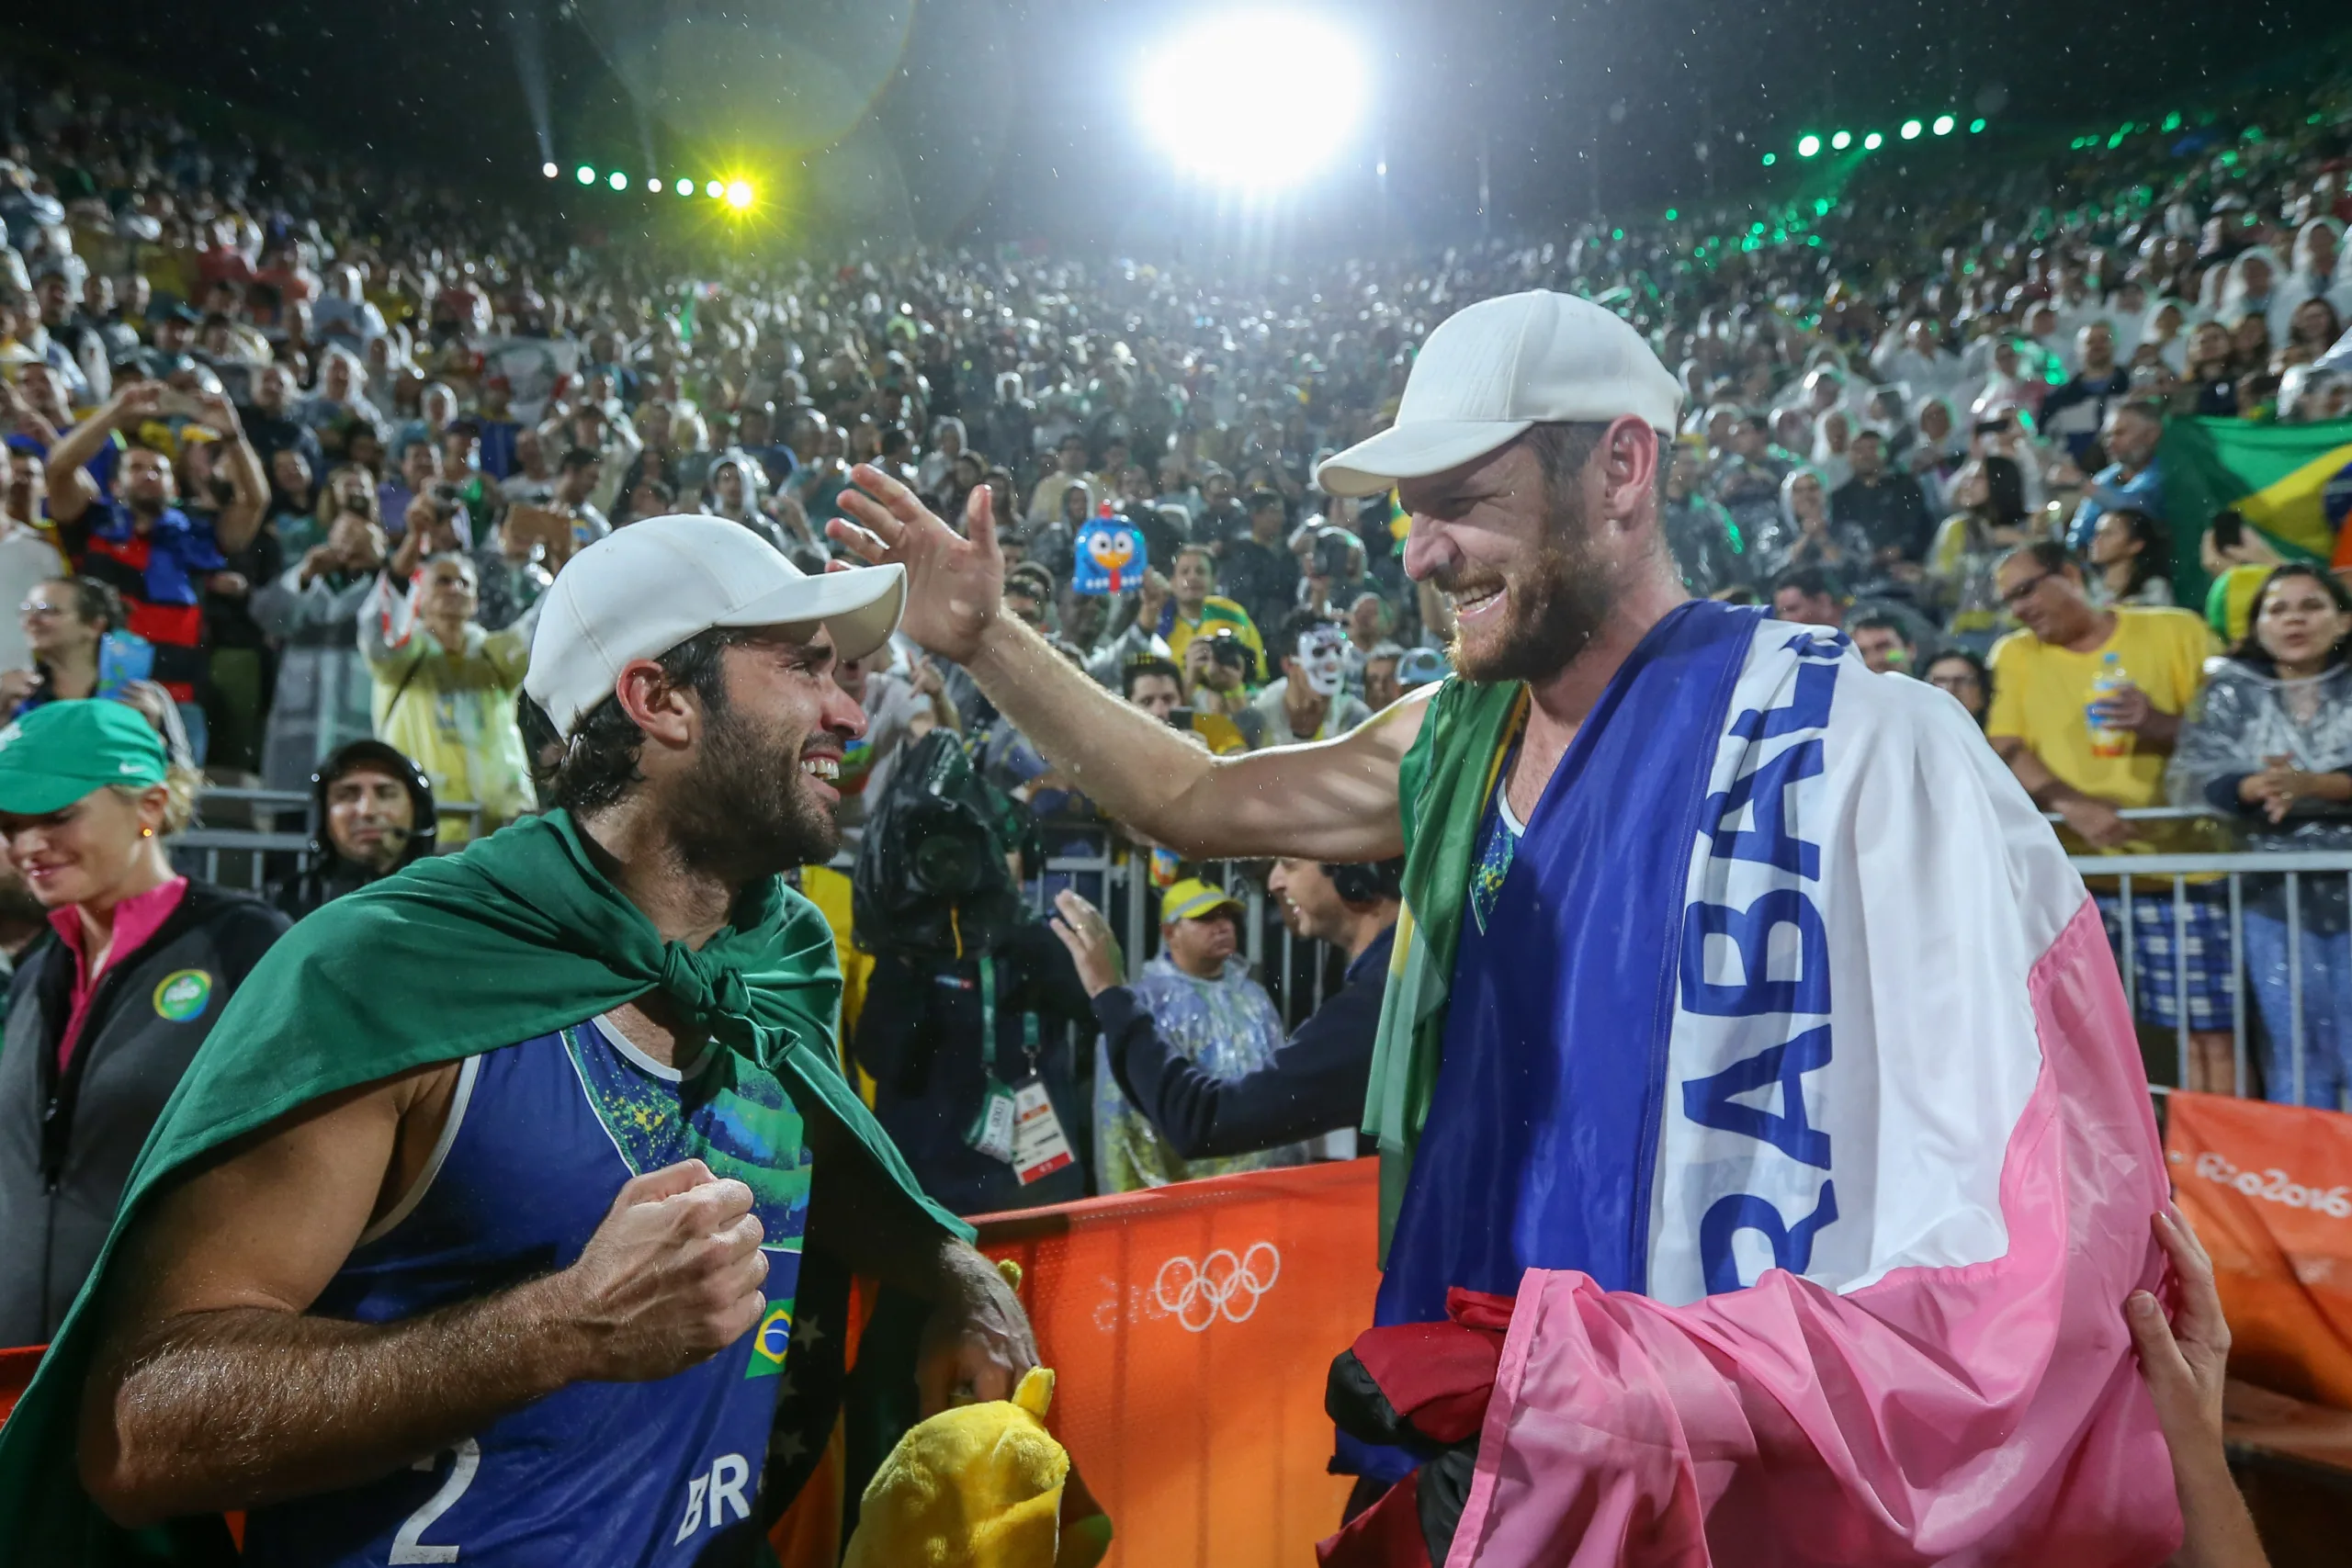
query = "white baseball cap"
{"x": 1492, "y": 370}
{"x": 644, "y": 589}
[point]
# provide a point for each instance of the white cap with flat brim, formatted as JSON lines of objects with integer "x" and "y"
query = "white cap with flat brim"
{"x": 644, "y": 589}
{"x": 1492, "y": 370}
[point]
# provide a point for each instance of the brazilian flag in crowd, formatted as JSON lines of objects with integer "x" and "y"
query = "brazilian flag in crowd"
{"x": 2292, "y": 483}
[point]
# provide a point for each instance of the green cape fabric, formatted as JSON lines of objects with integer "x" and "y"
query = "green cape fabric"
{"x": 518, "y": 936}
{"x": 1441, "y": 789}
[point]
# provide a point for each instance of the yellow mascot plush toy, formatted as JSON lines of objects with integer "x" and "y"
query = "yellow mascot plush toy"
{"x": 976, "y": 1487}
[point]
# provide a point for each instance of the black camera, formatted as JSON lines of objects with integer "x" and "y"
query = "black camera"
{"x": 1334, "y": 553}
{"x": 931, "y": 876}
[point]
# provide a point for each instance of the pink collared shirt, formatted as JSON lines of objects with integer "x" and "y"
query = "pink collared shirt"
{"x": 136, "y": 918}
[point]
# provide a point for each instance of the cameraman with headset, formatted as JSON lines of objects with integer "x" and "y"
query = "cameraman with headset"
{"x": 1318, "y": 1081}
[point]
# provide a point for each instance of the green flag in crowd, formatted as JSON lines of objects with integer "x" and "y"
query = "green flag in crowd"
{"x": 2290, "y": 482}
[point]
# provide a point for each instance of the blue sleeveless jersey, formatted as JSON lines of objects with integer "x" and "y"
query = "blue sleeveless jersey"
{"x": 540, "y": 1138}
{"x": 1544, "y": 1121}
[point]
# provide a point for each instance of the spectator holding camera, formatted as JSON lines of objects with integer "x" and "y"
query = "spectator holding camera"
{"x": 1316, "y": 1082}
{"x": 1311, "y": 701}
{"x": 445, "y": 687}
{"x": 324, "y": 695}
{"x": 141, "y": 543}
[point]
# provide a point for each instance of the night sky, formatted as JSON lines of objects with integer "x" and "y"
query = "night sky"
{"x": 1016, "y": 119}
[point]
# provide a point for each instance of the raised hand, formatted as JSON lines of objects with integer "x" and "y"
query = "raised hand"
{"x": 955, "y": 583}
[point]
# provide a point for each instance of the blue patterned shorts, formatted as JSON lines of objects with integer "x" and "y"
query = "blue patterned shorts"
{"x": 2162, "y": 956}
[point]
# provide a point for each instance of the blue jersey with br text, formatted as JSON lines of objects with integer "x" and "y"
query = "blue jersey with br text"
{"x": 540, "y": 1137}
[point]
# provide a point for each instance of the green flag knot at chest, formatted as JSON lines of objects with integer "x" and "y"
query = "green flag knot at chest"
{"x": 518, "y": 936}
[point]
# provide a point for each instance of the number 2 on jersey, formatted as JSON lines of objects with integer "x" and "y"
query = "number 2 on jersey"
{"x": 406, "y": 1546}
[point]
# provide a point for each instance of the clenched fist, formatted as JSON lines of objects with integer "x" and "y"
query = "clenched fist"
{"x": 670, "y": 1278}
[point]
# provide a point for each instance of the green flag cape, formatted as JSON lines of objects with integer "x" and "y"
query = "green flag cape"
{"x": 2293, "y": 482}
{"x": 1441, "y": 788}
{"x": 518, "y": 936}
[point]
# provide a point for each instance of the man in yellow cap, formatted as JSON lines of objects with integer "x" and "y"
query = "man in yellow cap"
{"x": 1203, "y": 1005}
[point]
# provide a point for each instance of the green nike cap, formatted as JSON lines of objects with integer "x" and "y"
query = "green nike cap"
{"x": 61, "y": 751}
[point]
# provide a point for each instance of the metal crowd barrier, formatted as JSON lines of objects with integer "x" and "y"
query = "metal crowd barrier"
{"x": 2230, "y": 876}
{"x": 247, "y": 838}
{"x": 1298, "y": 973}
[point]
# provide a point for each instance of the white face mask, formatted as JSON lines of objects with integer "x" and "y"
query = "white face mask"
{"x": 1321, "y": 660}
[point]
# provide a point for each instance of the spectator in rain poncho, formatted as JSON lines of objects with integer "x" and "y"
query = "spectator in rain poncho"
{"x": 2164, "y": 335}
{"x": 2269, "y": 742}
{"x": 1204, "y": 1004}
{"x": 733, "y": 492}
{"x": 2318, "y": 273}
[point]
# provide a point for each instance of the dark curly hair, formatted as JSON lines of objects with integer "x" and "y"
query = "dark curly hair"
{"x": 599, "y": 761}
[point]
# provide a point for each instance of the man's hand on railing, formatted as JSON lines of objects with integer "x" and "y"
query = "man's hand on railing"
{"x": 2096, "y": 822}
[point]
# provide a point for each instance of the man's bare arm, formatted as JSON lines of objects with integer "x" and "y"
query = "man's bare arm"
{"x": 212, "y": 1389}
{"x": 977, "y": 1342}
{"x": 1333, "y": 801}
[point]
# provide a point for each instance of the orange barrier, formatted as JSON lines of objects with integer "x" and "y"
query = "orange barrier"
{"x": 2270, "y": 1189}
{"x": 1190, "y": 1329}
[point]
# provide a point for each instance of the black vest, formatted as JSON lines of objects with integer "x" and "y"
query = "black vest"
{"x": 68, "y": 1140}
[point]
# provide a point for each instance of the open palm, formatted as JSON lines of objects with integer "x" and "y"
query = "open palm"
{"x": 955, "y": 583}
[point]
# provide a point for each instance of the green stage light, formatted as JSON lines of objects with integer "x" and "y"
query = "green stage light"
{"x": 684, "y": 188}
{"x": 1943, "y": 125}
{"x": 1911, "y": 129}
{"x": 1807, "y": 145}
{"x": 1671, "y": 214}
{"x": 1975, "y": 125}
{"x": 619, "y": 181}
{"x": 1873, "y": 142}
{"x": 1770, "y": 159}
{"x": 587, "y": 174}
{"x": 1842, "y": 140}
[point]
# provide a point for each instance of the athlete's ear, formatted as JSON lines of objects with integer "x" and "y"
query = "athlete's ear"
{"x": 670, "y": 719}
{"x": 1629, "y": 462}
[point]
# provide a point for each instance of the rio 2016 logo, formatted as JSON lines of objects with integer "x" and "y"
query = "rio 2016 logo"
{"x": 2275, "y": 1186}
{"x": 183, "y": 995}
{"x": 1220, "y": 1285}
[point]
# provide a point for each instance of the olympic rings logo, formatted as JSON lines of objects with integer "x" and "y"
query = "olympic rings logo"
{"x": 1196, "y": 1294}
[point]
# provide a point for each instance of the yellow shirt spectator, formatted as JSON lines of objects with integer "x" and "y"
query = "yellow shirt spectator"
{"x": 2042, "y": 692}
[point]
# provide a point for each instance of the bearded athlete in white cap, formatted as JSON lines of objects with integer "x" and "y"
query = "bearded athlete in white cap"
{"x": 475, "y": 1236}
{"x": 1751, "y": 1046}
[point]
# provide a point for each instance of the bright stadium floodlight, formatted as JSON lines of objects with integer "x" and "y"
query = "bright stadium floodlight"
{"x": 1842, "y": 140}
{"x": 685, "y": 187}
{"x": 619, "y": 181}
{"x": 714, "y": 191}
{"x": 654, "y": 185}
{"x": 1223, "y": 102}
{"x": 1873, "y": 142}
{"x": 1911, "y": 129}
{"x": 550, "y": 170}
{"x": 739, "y": 194}
{"x": 1807, "y": 145}
{"x": 1943, "y": 125}
{"x": 587, "y": 175}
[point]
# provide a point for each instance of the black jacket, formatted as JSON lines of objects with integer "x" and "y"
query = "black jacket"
{"x": 67, "y": 1143}
{"x": 920, "y": 1037}
{"x": 1316, "y": 1083}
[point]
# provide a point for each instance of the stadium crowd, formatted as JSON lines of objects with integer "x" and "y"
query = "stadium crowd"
{"x": 293, "y": 449}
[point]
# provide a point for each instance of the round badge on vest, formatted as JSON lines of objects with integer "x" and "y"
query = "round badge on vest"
{"x": 183, "y": 995}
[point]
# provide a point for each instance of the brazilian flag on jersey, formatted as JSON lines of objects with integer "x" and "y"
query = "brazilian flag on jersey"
{"x": 2292, "y": 483}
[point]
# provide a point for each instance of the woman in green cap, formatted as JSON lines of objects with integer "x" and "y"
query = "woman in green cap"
{"x": 107, "y": 1012}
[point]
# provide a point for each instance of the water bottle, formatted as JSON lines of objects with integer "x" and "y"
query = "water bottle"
{"x": 2107, "y": 740}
